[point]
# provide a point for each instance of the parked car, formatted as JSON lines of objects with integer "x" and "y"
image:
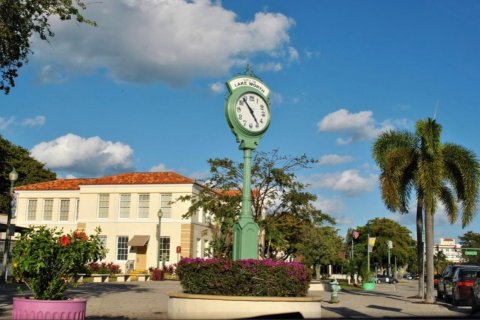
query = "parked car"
{"x": 456, "y": 282}
{"x": 407, "y": 276}
{"x": 475, "y": 292}
{"x": 380, "y": 278}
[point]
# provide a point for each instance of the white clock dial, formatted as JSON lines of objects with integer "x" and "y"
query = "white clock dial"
{"x": 252, "y": 112}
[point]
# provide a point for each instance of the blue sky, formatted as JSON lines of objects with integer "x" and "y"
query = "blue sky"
{"x": 145, "y": 90}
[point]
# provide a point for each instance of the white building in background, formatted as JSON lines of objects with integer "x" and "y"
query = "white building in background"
{"x": 451, "y": 250}
{"x": 125, "y": 207}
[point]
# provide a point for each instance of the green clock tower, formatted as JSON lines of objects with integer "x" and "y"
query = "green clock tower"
{"x": 248, "y": 115}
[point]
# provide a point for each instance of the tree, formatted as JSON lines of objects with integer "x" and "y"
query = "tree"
{"x": 470, "y": 240}
{"x": 320, "y": 246}
{"x": 446, "y": 172}
{"x": 277, "y": 197}
{"x": 440, "y": 261}
{"x": 29, "y": 170}
{"x": 19, "y": 21}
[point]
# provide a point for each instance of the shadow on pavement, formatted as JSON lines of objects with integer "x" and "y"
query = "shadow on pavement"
{"x": 99, "y": 289}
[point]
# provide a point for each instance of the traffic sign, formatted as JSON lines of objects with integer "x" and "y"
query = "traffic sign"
{"x": 470, "y": 253}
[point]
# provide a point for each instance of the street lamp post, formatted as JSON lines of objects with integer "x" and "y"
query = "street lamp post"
{"x": 390, "y": 246}
{"x": 12, "y": 176}
{"x": 160, "y": 215}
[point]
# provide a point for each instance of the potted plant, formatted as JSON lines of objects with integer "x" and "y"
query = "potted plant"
{"x": 368, "y": 282}
{"x": 46, "y": 260}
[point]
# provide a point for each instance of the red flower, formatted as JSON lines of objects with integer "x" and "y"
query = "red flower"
{"x": 64, "y": 240}
{"x": 80, "y": 235}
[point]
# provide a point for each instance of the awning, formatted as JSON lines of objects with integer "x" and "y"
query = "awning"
{"x": 138, "y": 241}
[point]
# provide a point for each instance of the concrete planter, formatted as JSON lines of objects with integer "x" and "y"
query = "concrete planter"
{"x": 197, "y": 306}
{"x": 25, "y": 309}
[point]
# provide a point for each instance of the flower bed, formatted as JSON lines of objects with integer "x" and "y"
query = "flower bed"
{"x": 244, "y": 277}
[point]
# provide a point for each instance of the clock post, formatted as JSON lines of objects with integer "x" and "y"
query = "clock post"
{"x": 247, "y": 111}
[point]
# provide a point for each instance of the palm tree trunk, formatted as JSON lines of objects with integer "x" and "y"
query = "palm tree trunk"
{"x": 430, "y": 297}
{"x": 421, "y": 279}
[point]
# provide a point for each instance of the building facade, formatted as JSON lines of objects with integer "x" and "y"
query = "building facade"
{"x": 451, "y": 250}
{"x": 126, "y": 208}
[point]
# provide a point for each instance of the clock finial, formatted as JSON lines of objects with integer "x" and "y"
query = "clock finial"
{"x": 249, "y": 72}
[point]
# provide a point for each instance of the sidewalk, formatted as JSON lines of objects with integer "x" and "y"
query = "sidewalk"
{"x": 147, "y": 300}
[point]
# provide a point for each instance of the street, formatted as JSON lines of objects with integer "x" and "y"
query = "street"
{"x": 147, "y": 300}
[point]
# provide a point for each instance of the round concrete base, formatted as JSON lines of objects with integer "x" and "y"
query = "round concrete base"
{"x": 199, "y": 306}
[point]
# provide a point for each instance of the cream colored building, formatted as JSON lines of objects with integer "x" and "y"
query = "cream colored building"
{"x": 452, "y": 251}
{"x": 125, "y": 207}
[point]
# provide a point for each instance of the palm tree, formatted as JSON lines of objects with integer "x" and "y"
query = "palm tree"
{"x": 447, "y": 173}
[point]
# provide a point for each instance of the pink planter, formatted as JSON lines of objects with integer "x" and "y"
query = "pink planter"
{"x": 49, "y": 309}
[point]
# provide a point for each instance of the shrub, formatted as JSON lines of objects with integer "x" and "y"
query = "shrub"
{"x": 104, "y": 268}
{"x": 159, "y": 273}
{"x": 46, "y": 260}
{"x": 244, "y": 277}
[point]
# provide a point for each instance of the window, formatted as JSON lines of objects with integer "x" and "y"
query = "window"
{"x": 64, "y": 209}
{"x": 103, "y": 203}
{"x": 77, "y": 209}
{"x": 164, "y": 249}
{"x": 47, "y": 209}
{"x": 166, "y": 205}
{"x": 32, "y": 209}
{"x": 124, "y": 206}
{"x": 143, "y": 205}
{"x": 122, "y": 248}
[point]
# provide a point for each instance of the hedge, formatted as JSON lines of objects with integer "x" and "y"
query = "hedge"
{"x": 243, "y": 277}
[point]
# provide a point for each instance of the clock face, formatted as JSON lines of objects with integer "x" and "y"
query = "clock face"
{"x": 252, "y": 112}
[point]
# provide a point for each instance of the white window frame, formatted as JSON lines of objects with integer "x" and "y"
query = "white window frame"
{"x": 164, "y": 249}
{"x": 124, "y": 211}
{"x": 62, "y": 212}
{"x": 32, "y": 209}
{"x": 143, "y": 210}
{"x": 166, "y": 204}
{"x": 124, "y": 254}
{"x": 103, "y": 205}
{"x": 49, "y": 211}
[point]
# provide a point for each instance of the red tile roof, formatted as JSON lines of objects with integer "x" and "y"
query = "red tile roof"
{"x": 124, "y": 178}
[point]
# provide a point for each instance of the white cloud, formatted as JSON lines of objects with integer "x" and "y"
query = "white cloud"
{"x": 5, "y": 123}
{"x": 93, "y": 156}
{"x": 32, "y": 122}
{"x": 333, "y": 159}
{"x": 357, "y": 126}
{"x": 276, "y": 98}
{"x": 159, "y": 168}
{"x": 217, "y": 88}
{"x": 349, "y": 182}
{"x": 171, "y": 41}
{"x": 293, "y": 54}
{"x": 312, "y": 54}
{"x": 270, "y": 66}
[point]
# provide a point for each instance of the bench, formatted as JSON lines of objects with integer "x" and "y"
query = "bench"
{"x": 143, "y": 277}
{"x": 97, "y": 277}
{"x": 78, "y": 278}
{"x": 123, "y": 277}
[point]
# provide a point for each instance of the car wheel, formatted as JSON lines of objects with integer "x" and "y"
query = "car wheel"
{"x": 454, "y": 299}
{"x": 378, "y": 281}
{"x": 474, "y": 302}
{"x": 394, "y": 281}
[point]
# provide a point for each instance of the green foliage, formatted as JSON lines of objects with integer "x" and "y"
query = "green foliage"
{"x": 437, "y": 172}
{"x": 29, "y": 170}
{"x": 470, "y": 240}
{"x": 320, "y": 246}
{"x": 19, "y": 20}
{"x": 46, "y": 260}
{"x": 383, "y": 229}
{"x": 276, "y": 194}
{"x": 440, "y": 262}
{"x": 244, "y": 277}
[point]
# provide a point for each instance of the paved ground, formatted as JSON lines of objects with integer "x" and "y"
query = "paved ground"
{"x": 147, "y": 300}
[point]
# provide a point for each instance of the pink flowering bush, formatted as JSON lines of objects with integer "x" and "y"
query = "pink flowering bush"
{"x": 46, "y": 260}
{"x": 104, "y": 268}
{"x": 244, "y": 277}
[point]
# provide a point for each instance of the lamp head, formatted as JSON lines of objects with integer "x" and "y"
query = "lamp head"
{"x": 13, "y": 176}
{"x": 160, "y": 213}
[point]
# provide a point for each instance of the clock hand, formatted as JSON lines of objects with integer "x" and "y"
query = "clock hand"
{"x": 250, "y": 109}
